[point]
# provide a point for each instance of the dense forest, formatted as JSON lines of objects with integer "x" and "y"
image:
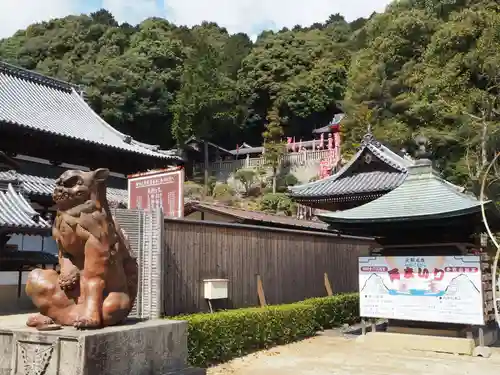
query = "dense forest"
{"x": 428, "y": 67}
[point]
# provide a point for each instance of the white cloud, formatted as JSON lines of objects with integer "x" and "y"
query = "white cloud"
{"x": 245, "y": 15}
{"x": 249, "y": 16}
{"x": 18, "y": 14}
{"x": 133, "y": 11}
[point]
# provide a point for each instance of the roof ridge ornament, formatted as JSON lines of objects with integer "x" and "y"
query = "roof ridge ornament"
{"x": 369, "y": 138}
{"x": 421, "y": 154}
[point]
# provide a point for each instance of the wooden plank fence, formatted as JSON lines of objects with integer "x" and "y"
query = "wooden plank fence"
{"x": 291, "y": 264}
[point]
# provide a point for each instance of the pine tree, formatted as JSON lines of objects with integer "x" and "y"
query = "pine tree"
{"x": 274, "y": 147}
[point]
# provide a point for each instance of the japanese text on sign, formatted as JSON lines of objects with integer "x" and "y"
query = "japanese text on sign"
{"x": 431, "y": 288}
{"x": 158, "y": 190}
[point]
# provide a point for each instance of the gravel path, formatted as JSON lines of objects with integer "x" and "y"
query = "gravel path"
{"x": 333, "y": 353}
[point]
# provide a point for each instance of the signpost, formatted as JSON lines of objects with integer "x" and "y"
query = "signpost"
{"x": 161, "y": 188}
{"x": 444, "y": 289}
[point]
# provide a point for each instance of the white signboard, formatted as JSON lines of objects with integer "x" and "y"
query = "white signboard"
{"x": 432, "y": 288}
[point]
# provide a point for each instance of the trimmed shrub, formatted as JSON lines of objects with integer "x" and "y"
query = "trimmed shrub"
{"x": 336, "y": 310}
{"x": 221, "y": 336}
{"x": 276, "y": 203}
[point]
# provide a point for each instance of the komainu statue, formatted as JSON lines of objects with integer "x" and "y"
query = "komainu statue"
{"x": 97, "y": 282}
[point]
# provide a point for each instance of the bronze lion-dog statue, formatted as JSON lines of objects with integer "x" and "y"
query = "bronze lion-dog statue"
{"x": 97, "y": 282}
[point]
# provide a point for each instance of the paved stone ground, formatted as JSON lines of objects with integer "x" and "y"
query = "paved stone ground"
{"x": 334, "y": 354}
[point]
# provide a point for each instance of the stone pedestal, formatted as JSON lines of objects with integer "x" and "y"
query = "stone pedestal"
{"x": 156, "y": 347}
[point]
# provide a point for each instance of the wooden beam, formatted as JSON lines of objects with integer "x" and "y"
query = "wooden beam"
{"x": 260, "y": 292}
{"x": 328, "y": 286}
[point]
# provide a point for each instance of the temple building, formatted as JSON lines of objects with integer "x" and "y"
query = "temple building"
{"x": 46, "y": 127}
{"x": 431, "y": 271}
{"x": 373, "y": 171}
{"x": 423, "y": 203}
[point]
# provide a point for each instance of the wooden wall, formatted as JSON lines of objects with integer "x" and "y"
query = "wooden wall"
{"x": 291, "y": 264}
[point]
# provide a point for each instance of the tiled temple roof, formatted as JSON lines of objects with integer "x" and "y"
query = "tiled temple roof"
{"x": 17, "y": 213}
{"x": 422, "y": 196}
{"x": 334, "y": 123}
{"x": 258, "y": 217}
{"x": 34, "y": 101}
{"x": 44, "y": 186}
{"x": 348, "y": 183}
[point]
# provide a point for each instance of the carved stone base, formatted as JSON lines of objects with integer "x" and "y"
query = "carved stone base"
{"x": 156, "y": 347}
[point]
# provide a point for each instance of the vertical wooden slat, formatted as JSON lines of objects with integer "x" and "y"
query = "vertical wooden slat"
{"x": 291, "y": 265}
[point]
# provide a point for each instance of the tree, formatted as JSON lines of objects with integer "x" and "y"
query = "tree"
{"x": 206, "y": 103}
{"x": 426, "y": 67}
{"x": 247, "y": 177}
{"x": 274, "y": 147}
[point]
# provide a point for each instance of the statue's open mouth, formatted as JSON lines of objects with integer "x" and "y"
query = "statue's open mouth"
{"x": 60, "y": 197}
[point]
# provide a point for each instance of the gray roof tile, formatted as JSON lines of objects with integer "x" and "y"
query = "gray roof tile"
{"x": 369, "y": 182}
{"x": 258, "y": 216}
{"x": 421, "y": 196}
{"x": 16, "y": 212}
{"x": 41, "y": 103}
{"x": 346, "y": 183}
{"x": 35, "y": 185}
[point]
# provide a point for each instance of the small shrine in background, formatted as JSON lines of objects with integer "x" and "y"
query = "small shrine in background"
{"x": 431, "y": 274}
{"x": 329, "y": 165}
{"x": 372, "y": 172}
{"x": 328, "y": 138}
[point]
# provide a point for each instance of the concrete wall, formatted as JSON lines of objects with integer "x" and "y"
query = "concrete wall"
{"x": 303, "y": 172}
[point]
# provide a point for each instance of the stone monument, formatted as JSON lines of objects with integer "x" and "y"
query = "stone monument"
{"x": 82, "y": 327}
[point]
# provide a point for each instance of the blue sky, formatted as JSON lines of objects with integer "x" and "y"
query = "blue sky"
{"x": 249, "y": 16}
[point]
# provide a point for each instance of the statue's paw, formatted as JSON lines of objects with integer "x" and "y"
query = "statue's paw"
{"x": 85, "y": 322}
{"x": 68, "y": 281}
{"x": 39, "y": 320}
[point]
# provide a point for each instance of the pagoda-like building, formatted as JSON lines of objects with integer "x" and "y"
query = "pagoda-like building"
{"x": 46, "y": 127}
{"x": 431, "y": 273}
{"x": 372, "y": 172}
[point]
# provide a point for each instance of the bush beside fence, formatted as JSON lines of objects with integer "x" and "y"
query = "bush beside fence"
{"x": 335, "y": 311}
{"x": 221, "y": 336}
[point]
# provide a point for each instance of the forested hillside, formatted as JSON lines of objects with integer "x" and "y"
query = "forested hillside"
{"x": 430, "y": 67}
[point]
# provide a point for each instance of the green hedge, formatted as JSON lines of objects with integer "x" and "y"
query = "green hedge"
{"x": 336, "y": 310}
{"x": 221, "y": 336}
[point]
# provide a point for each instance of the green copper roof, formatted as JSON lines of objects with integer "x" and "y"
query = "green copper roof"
{"x": 423, "y": 195}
